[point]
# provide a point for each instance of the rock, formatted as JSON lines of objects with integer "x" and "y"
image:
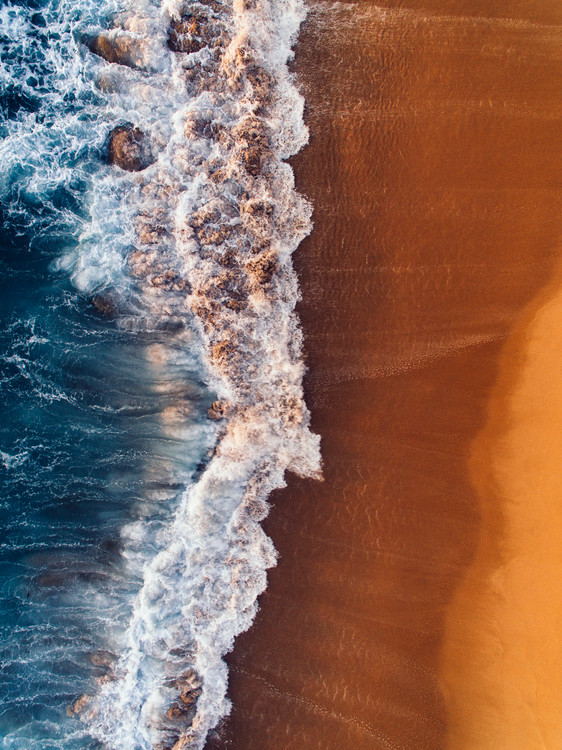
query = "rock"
{"x": 112, "y": 546}
{"x": 201, "y": 126}
{"x": 103, "y": 659}
{"x": 172, "y": 325}
{"x": 207, "y": 311}
{"x": 149, "y": 233}
{"x": 170, "y": 280}
{"x": 118, "y": 47}
{"x": 142, "y": 264}
{"x": 258, "y": 208}
{"x": 214, "y": 5}
{"x": 208, "y": 214}
{"x": 189, "y": 680}
{"x": 227, "y": 259}
{"x": 129, "y": 148}
{"x": 232, "y": 284}
{"x": 252, "y": 160}
{"x": 78, "y": 706}
{"x": 263, "y": 267}
{"x": 223, "y": 352}
{"x": 236, "y": 304}
{"x": 106, "y": 305}
{"x": 177, "y": 712}
{"x": 183, "y": 742}
{"x": 213, "y": 235}
{"x": 185, "y": 34}
{"x": 105, "y": 678}
{"x": 190, "y": 697}
{"x": 254, "y": 131}
{"x": 262, "y": 82}
{"x": 51, "y": 579}
{"x": 217, "y": 410}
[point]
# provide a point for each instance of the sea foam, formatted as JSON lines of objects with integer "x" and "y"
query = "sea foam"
{"x": 199, "y": 243}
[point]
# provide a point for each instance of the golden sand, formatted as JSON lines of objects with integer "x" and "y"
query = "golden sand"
{"x": 502, "y": 659}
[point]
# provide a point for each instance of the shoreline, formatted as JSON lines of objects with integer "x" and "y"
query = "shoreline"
{"x": 507, "y": 611}
{"x": 436, "y": 223}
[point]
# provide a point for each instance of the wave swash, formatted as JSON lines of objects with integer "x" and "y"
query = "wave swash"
{"x": 210, "y": 217}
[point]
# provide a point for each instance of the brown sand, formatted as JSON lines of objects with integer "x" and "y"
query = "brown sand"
{"x": 434, "y": 174}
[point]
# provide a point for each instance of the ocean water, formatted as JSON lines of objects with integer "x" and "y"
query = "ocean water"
{"x": 151, "y": 370}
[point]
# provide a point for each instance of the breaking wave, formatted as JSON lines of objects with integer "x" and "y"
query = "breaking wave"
{"x": 187, "y": 230}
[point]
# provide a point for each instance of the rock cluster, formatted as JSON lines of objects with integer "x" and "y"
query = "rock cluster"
{"x": 129, "y": 148}
{"x": 186, "y": 34}
{"x": 119, "y": 48}
{"x": 182, "y": 711}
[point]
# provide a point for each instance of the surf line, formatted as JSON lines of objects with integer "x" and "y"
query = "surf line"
{"x": 217, "y": 218}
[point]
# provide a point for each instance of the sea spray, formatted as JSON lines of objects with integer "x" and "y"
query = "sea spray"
{"x": 211, "y": 220}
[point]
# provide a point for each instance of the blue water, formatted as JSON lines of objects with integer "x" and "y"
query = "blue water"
{"x": 82, "y": 449}
{"x": 131, "y": 550}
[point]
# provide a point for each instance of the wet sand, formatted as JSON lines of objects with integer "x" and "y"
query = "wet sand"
{"x": 433, "y": 377}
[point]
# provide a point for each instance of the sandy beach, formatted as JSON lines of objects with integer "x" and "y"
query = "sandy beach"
{"x": 416, "y": 603}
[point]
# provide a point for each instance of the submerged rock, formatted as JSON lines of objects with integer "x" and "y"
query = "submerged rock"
{"x": 189, "y": 697}
{"x": 252, "y": 160}
{"x": 264, "y": 267}
{"x": 106, "y": 305}
{"x": 78, "y": 706}
{"x": 118, "y": 47}
{"x": 185, "y": 34}
{"x": 217, "y": 410}
{"x": 178, "y": 712}
{"x": 171, "y": 280}
{"x": 104, "y": 659}
{"x": 129, "y": 148}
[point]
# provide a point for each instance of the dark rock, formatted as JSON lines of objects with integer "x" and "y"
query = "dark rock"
{"x": 185, "y": 34}
{"x": 112, "y": 546}
{"x": 116, "y": 47}
{"x": 190, "y": 697}
{"x": 217, "y": 410}
{"x": 51, "y": 579}
{"x": 129, "y": 148}
{"x": 106, "y": 305}
{"x": 263, "y": 267}
{"x": 171, "y": 325}
{"x": 258, "y": 208}
{"x": 252, "y": 160}
{"x": 177, "y": 712}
